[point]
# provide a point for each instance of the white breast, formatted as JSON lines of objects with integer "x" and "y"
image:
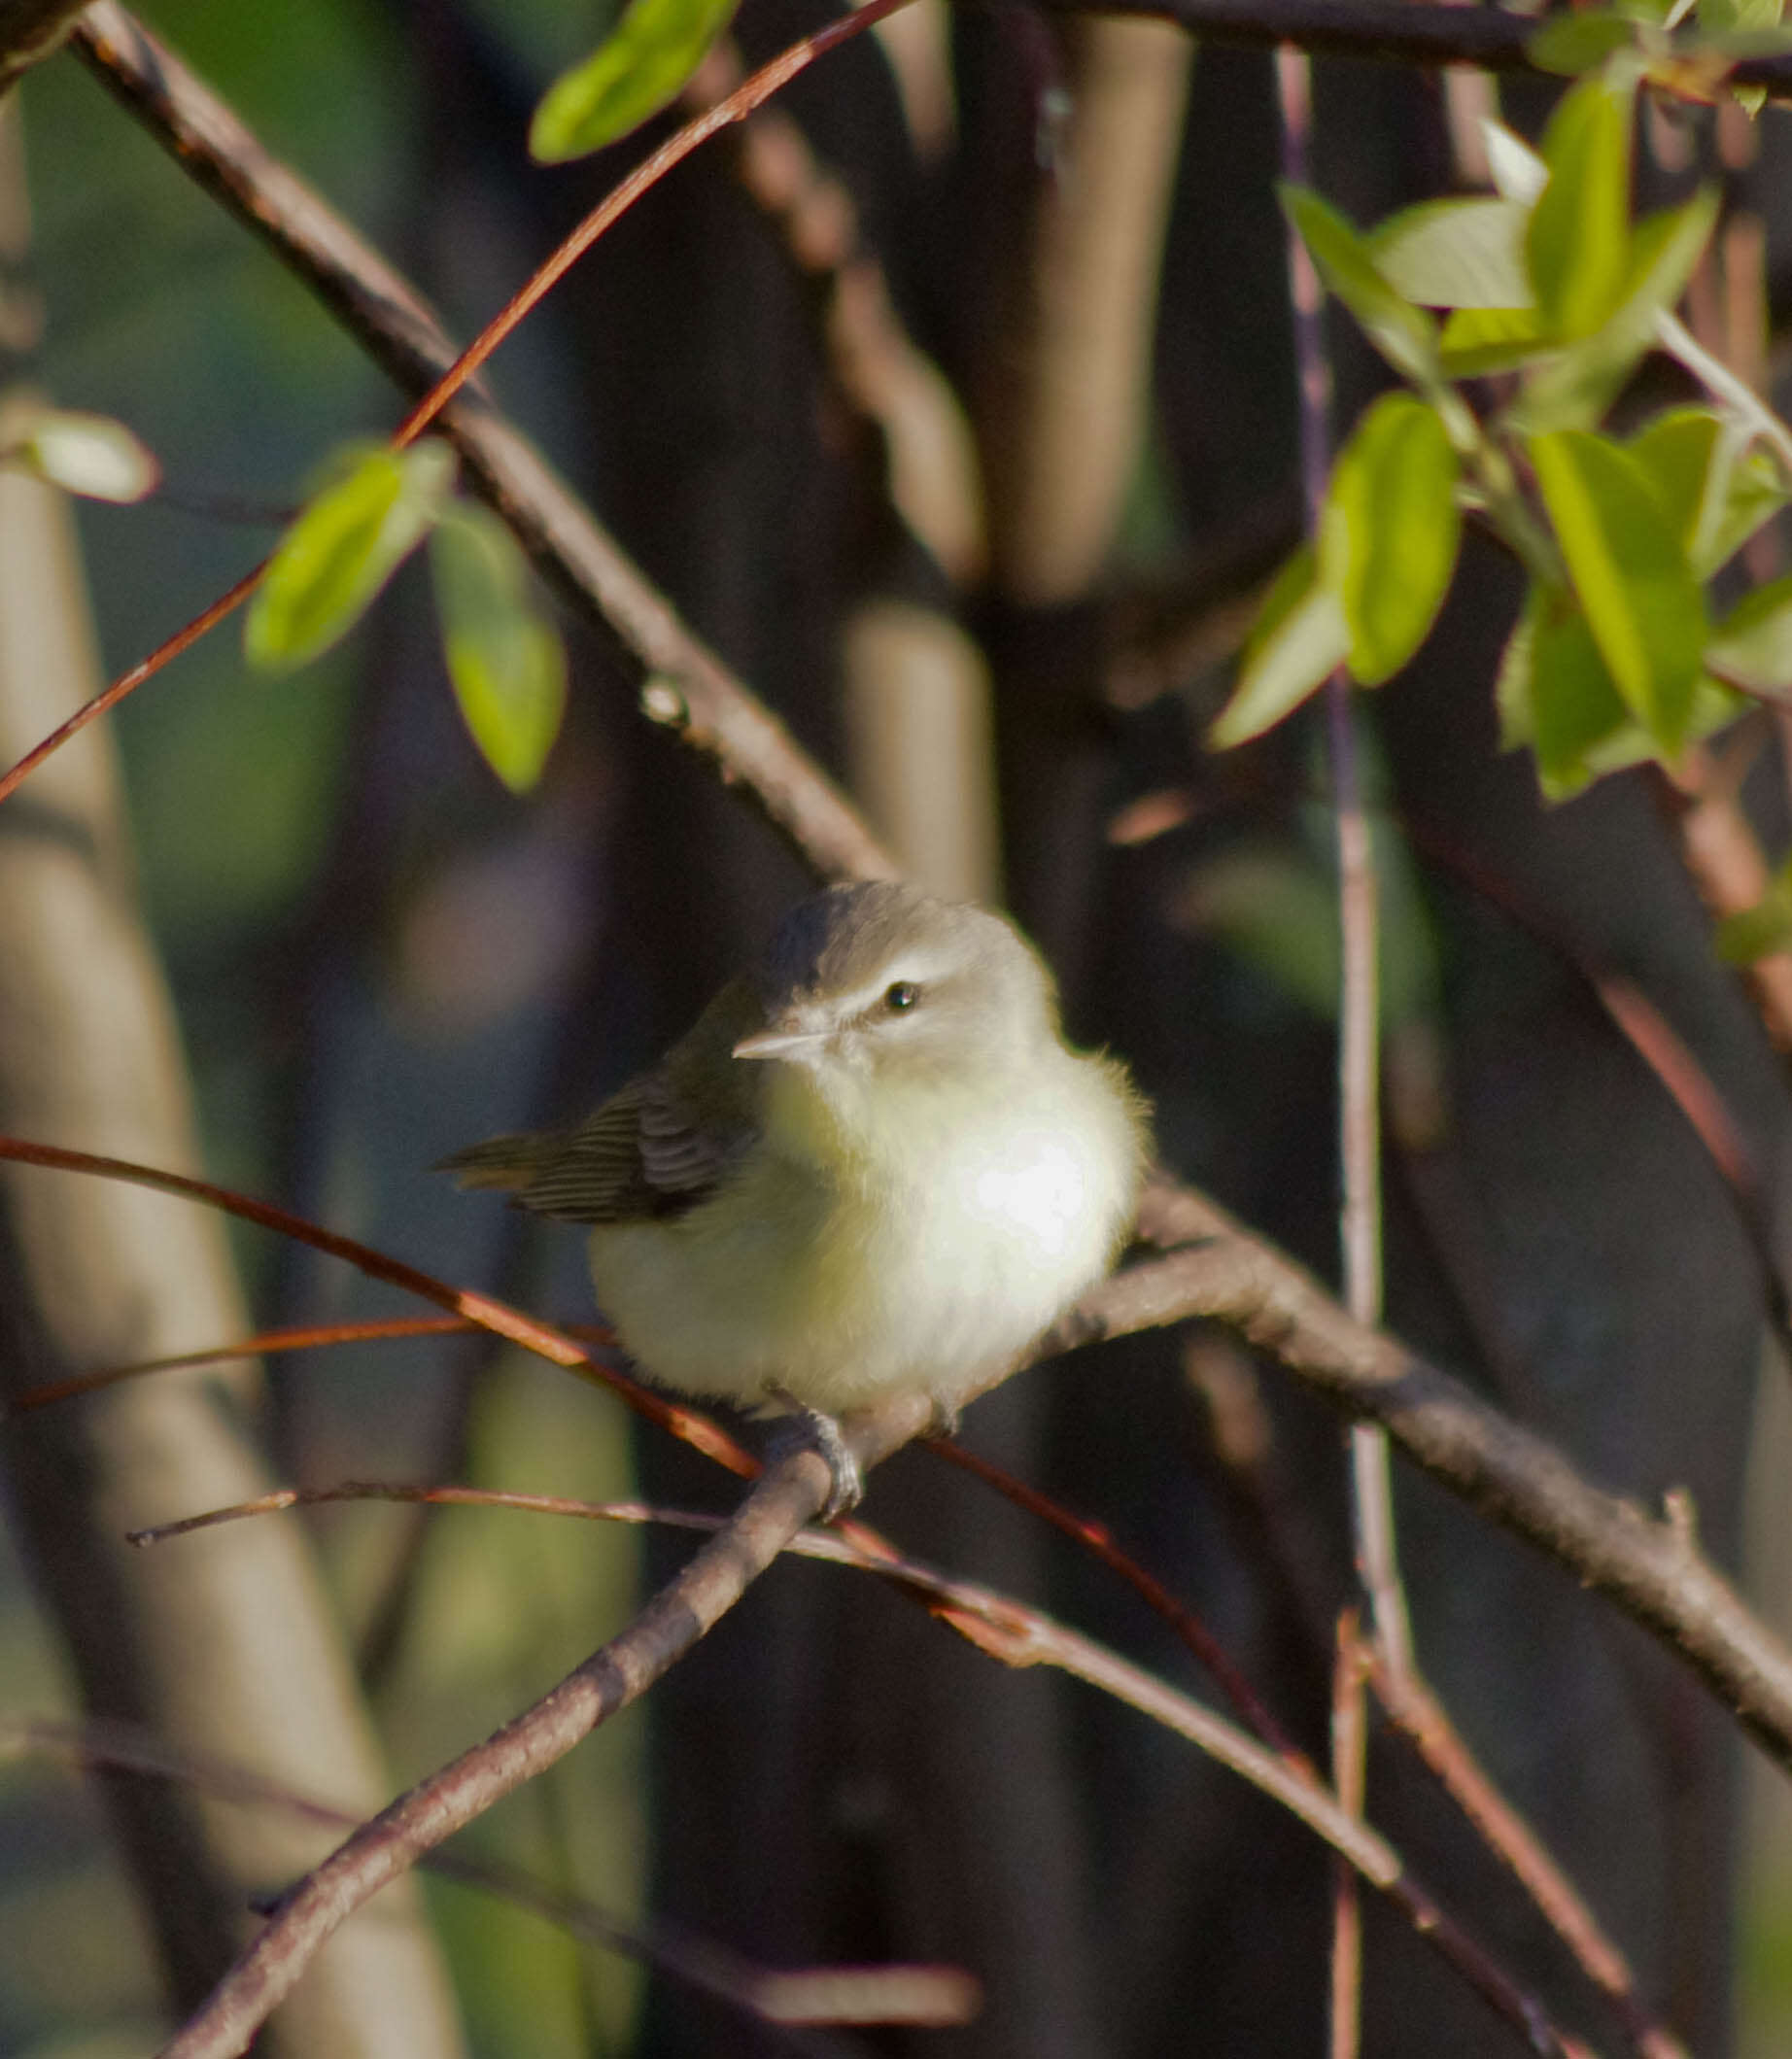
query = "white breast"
{"x": 842, "y": 1293}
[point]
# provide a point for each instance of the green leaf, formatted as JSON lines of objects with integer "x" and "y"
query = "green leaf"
{"x": 1573, "y": 700}
{"x": 1645, "y": 608}
{"x": 1478, "y": 340}
{"x": 1575, "y": 389}
{"x": 1722, "y": 17}
{"x": 640, "y": 66}
{"x": 504, "y": 655}
{"x": 1404, "y": 334}
{"x": 1517, "y": 171}
{"x": 1553, "y": 692}
{"x": 1577, "y": 246}
{"x": 1515, "y": 677}
{"x": 342, "y": 548}
{"x": 1298, "y": 642}
{"x": 1573, "y": 44}
{"x": 1716, "y": 490}
{"x": 1747, "y": 493}
{"x": 1455, "y": 254}
{"x": 1389, "y": 536}
{"x": 1677, "y": 449}
{"x": 90, "y": 454}
{"x": 1759, "y": 931}
{"x": 1753, "y": 643}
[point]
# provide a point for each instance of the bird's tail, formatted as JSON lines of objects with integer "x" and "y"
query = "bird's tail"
{"x": 505, "y": 1163}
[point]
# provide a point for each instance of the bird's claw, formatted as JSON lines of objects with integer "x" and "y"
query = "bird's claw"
{"x": 823, "y": 1434}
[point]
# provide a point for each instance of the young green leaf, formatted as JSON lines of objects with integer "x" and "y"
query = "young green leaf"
{"x": 1720, "y": 17}
{"x": 1645, "y": 608}
{"x": 1388, "y": 538}
{"x": 1677, "y": 449}
{"x": 1480, "y": 340}
{"x": 90, "y": 454}
{"x": 1298, "y": 642}
{"x": 1577, "y": 246}
{"x": 1753, "y": 643}
{"x": 1747, "y": 493}
{"x": 1455, "y": 254}
{"x": 1574, "y": 706}
{"x": 504, "y": 655}
{"x": 1575, "y": 389}
{"x": 346, "y": 543}
{"x": 1517, "y": 171}
{"x": 1554, "y": 693}
{"x": 1404, "y": 334}
{"x": 642, "y": 65}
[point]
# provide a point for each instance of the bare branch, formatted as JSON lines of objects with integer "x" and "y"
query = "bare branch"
{"x": 1018, "y": 1634}
{"x": 929, "y": 1995}
{"x": 1652, "y": 1569}
{"x": 686, "y": 688}
{"x": 783, "y": 1501}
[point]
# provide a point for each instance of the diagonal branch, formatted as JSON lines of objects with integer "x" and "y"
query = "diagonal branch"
{"x": 1652, "y": 1568}
{"x": 686, "y": 687}
{"x": 1011, "y": 1630}
{"x": 785, "y": 1498}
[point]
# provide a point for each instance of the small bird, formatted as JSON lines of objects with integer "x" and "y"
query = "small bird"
{"x": 872, "y": 1166}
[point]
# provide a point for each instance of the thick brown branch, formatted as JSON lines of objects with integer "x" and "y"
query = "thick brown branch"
{"x": 784, "y": 1500}
{"x": 686, "y": 688}
{"x": 1652, "y": 1569}
{"x": 1389, "y": 31}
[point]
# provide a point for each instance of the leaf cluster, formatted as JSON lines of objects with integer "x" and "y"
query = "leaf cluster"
{"x": 503, "y": 653}
{"x": 1545, "y": 294}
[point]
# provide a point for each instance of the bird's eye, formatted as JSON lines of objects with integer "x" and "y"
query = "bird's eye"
{"x": 903, "y": 994}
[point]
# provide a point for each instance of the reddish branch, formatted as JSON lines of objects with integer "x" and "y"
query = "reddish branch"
{"x": 1011, "y": 1630}
{"x": 784, "y": 1500}
{"x": 686, "y": 687}
{"x": 1216, "y": 1268}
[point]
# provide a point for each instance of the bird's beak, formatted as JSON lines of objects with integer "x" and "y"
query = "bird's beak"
{"x": 785, "y": 1039}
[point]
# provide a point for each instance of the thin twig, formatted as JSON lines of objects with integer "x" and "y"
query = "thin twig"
{"x": 933, "y": 1995}
{"x": 1654, "y": 1570}
{"x": 1349, "y": 1747}
{"x": 1359, "y": 1001}
{"x": 784, "y": 1499}
{"x": 1020, "y": 1636}
{"x": 687, "y": 689}
{"x": 751, "y": 93}
{"x": 483, "y": 1309}
{"x": 311, "y": 1336}
{"x": 1094, "y": 1537}
{"x": 1214, "y": 1268}
{"x": 1423, "y": 1721}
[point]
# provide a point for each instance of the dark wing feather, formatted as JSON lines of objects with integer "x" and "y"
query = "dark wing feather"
{"x": 659, "y": 1145}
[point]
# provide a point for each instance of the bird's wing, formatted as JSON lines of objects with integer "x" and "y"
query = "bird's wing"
{"x": 659, "y": 1145}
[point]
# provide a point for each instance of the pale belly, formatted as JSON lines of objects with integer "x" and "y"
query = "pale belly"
{"x": 842, "y": 1297}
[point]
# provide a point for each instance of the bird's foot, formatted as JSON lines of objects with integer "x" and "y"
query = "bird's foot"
{"x": 823, "y": 1433}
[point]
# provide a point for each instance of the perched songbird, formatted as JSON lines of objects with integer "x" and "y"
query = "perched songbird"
{"x": 872, "y": 1166}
